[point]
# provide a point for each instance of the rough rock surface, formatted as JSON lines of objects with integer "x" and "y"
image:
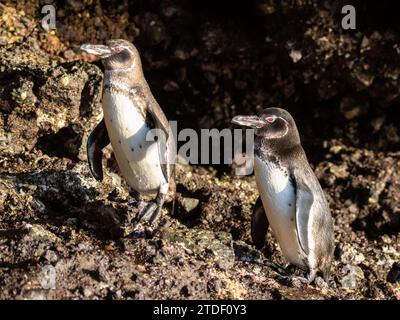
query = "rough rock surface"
{"x": 64, "y": 235}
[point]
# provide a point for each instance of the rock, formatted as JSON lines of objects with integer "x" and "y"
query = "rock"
{"x": 41, "y": 99}
{"x": 69, "y": 54}
{"x": 295, "y": 55}
{"x": 87, "y": 292}
{"x": 365, "y": 80}
{"x": 51, "y": 256}
{"x": 38, "y": 233}
{"x": 213, "y": 246}
{"x": 215, "y": 285}
{"x": 353, "y": 274}
{"x": 352, "y": 107}
{"x": 38, "y": 206}
{"x": 339, "y": 171}
{"x": 351, "y": 255}
{"x": 377, "y": 123}
{"x": 37, "y": 294}
{"x": 189, "y": 204}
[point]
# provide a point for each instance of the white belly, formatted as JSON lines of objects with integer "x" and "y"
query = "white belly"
{"x": 138, "y": 159}
{"x": 278, "y": 198}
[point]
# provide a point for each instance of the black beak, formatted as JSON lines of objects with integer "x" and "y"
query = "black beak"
{"x": 254, "y": 122}
{"x": 97, "y": 49}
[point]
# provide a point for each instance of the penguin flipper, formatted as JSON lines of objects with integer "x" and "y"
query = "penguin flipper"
{"x": 97, "y": 141}
{"x": 161, "y": 123}
{"x": 304, "y": 202}
{"x": 259, "y": 224}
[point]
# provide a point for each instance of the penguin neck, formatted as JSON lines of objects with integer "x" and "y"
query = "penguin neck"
{"x": 282, "y": 149}
{"x": 127, "y": 77}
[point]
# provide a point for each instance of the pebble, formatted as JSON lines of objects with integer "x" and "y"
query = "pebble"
{"x": 353, "y": 273}
{"x": 189, "y": 204}
{"x": 296, "y": 55}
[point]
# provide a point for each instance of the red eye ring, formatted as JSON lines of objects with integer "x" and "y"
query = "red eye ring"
{"x": 270, "y": 119}
{"x": 117, "y": 50}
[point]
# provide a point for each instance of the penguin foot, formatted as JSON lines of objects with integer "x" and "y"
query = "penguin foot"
{"x": 155, "y": 216}
{"x": 310, "y": 279}
{"x": 303, "y": 280}
{"x": 150, "y": 214}
{"x": 147, "y": 212}
{"x": 278, "y": 269}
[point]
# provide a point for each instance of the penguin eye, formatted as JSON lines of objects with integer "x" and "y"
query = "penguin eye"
{"x": 117, "y": 49}
{"x": 270, "y": 119}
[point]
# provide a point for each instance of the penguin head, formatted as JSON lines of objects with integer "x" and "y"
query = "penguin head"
{"x": 116, "y": 54}
{"x": 271, "y": 124}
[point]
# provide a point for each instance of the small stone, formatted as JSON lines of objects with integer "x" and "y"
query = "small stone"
{"x": 352, "y": 107}
{"x": 365, "y": 79}
{"x": 38, "y": 206}
{"x": 365, "y": 43}
{"x": 353, "y": 208}
{"x": 353, "y": 273}
{"x": 69, "y": 54}
{"x": 336, "y": 149}
{"x": 36, "y": 295}
{"x": 213, "y": 246}
{"x": 51, "y": 256}
{"x": 296, "y": 55}
{"x": 215, "y": 285}
{"x": 339, "y": 171}
{"x": 189, "y": 204}
{"x": 377, "y": 123}
{"x": 87, "y": 292}
{"x": 37, "y": 232}
{"x": 64, "y": 80}
{"x": 118, "y": 294}
{"x": 386, "y": 239}
{"x": 171, "y": 86}
{"x": 351, "y": 255}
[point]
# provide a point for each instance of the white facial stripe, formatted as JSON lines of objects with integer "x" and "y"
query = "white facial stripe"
{"x": 129, "y": 49}
{"x": 284, "y": 120}
{"x": 287, "y": 128}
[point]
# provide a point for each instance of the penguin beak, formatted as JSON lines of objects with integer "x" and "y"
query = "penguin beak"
{"x": 97, "y": 49}
{"x": 254, "y": 122}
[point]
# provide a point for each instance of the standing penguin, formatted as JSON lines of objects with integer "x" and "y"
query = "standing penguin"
{"x": 291, "y": 198}
{"x": 134, "y": 123}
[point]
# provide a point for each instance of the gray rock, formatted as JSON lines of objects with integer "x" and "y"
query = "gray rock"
{"x": 38, "y": 233}
{"x": 189, "y": 204}
{"x": 213, "y": 246}
{"x": 353, "y": 274}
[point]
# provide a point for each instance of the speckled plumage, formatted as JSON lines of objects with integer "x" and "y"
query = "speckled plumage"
{"x": 130, "y": 114}
{"x": 291, "y": 196}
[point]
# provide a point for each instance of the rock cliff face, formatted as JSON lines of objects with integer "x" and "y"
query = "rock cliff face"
{"x": 64, "y": 235}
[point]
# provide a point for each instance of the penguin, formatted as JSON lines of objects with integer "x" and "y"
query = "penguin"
{"x": 291, "y": 199}
{"x": 134, "y": 124}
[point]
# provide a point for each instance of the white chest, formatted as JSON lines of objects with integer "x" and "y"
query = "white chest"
{"x": 137, "y": 158}
{"x": 279, "y": 201}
